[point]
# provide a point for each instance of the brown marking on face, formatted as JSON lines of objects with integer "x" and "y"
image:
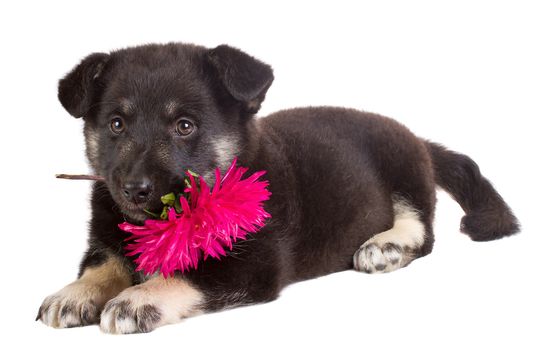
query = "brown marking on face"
{"x": 162, "y": 152}
{"x": 170, "y": 107}
{"x": 126, "y": 106}
{"x": 126, "y": 148}
{"x": 92, "y": 141}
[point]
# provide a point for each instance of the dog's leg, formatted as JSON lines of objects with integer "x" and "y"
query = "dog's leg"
{"x": 79, "y": 303}
{"x": 149, "y": 305}
{"x": 395, "y": 248}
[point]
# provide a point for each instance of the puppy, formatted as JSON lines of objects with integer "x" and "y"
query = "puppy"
{"x": 350, "y": 190}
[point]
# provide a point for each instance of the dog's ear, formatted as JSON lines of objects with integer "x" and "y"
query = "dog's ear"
{"x": 77, "y": 90}
{"x": 244, "y": 77}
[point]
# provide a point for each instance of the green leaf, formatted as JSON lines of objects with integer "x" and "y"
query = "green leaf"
{"x": 168, "y": 199}
{"x": 187, "y": 183}
{"x": 151, "y": 213}
{"x": 165, "y": 213}
{"x": 192, "y": 173}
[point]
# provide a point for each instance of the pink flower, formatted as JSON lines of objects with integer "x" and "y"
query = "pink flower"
{"x": 210, "y": 222}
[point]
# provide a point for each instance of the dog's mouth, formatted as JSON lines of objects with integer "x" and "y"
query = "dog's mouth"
{"x": 134, "y": 213}
{"x": 138, "y": 213}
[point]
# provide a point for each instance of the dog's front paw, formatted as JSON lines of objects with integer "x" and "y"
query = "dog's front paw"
{"x": 73, "y": 306}
{"x": 154, "y": 303}
{"x": 130, "y": 312}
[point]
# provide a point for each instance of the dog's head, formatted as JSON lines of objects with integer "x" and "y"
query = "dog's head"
{"x": 154, "y": 111}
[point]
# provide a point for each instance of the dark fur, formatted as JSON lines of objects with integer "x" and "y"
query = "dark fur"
{"x": 333, "y": 172}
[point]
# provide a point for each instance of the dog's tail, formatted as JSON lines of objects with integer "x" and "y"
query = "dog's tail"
{"x": 487, "y": 216}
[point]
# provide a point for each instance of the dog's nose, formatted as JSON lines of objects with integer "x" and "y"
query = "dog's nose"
{"x": 137, "y": 191}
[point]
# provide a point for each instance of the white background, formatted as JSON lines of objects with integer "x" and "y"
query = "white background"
{"x": 460, "y": 73}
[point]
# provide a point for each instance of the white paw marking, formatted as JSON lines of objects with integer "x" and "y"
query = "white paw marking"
{"x": 75, "y": 305}
{"x": 79, "y": 303}
{"x": 149, "y": 305}
{"x": 390, "y": 250}
{"x": 130, "y": 312}
{"x": 372, "y": 258}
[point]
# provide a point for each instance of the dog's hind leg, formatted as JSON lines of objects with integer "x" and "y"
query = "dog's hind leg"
{"x": 397, "y": 247}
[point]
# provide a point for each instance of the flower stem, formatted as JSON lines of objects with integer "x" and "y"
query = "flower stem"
{"x": 80, "y": 177}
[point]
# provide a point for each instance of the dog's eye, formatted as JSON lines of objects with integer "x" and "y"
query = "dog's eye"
{"x": 117, "y": 125}
{"x": 184, "y": 127}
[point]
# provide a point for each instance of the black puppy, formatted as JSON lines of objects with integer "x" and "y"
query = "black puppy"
{"x": 349, "y": 189}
